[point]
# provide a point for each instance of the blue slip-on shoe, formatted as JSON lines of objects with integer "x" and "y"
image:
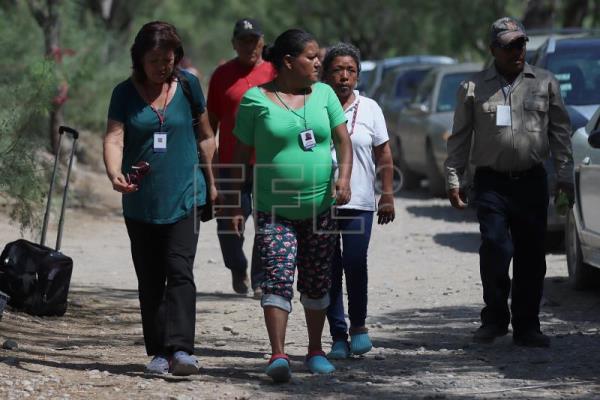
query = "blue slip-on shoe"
{"x": 183, "y": 364}
{"x": 317, "y": 362}
{"x": 360, "y": 343}
{"x": 279, "y": 368}
{"x": 339, "y": 350}
{"x": 158, "y": 365}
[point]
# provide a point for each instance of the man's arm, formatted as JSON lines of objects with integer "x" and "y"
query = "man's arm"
{"x": 459, "y": 143}
{"x": 559, "y": 134}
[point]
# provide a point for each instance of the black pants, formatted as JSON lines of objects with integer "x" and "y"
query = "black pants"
{"x": 512, "y": 216}
{"x": 232, "y": 245}
{"x": 163, "y": 256}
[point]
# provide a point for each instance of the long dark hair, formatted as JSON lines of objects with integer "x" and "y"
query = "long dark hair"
{"x": 291, "y": 42}
{"x": 155, "y": 35}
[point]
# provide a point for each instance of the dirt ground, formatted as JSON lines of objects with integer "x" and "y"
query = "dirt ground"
{"x": 424, "y": 303}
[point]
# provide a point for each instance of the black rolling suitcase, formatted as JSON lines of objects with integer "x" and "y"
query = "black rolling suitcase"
{"x": 37, "y": 277}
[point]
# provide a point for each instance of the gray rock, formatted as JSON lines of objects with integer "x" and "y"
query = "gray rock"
{"x": 10, "y": 361}
{"x": 220, "y": 344}
{"x": 227, "y": 328}
{"x": 380, "y": 357}
{"x": 10, "y": 344}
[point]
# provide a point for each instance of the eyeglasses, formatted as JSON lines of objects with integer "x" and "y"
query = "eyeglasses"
{"x": 139, "y": 170}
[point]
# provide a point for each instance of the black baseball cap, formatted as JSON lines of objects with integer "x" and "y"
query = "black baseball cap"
{"x": 247, "y": 26}
{"x": 506, "y": 30}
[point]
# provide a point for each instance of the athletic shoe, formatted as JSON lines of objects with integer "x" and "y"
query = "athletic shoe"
{"x": 360, "y": 343}
{"x": 317, "y": 362}
{"x": 279, "y": 368}
{"x": 183, "y": 364}
{"x": 339, "y": 350}
{"x": 158, "y": 365}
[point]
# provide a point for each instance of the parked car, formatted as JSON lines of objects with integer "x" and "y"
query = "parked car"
{"x": 575, "y": 62}
{"x": 423, "y": 127}
{"x": 367, "y": 74}
{"x": 582, "y": 226}
{"x": 383, "y": 67}
{"x": 397, "y": 90}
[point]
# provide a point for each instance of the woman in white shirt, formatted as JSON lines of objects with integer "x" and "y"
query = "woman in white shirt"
{"x": 372, "y": 154}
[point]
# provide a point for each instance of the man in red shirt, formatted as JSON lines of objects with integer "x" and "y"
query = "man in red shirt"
{"x": 228, "y": 85}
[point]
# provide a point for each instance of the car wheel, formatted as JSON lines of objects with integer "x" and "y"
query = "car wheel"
{"x": 581, "y": 275}
{"x": 437, "y": 183}
{"x": 410, "y": 179}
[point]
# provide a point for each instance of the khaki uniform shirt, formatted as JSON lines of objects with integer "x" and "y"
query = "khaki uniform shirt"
{"x": 539, "y": 125}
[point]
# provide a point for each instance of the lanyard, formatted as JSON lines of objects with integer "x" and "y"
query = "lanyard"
{"x": 354, "y": 116}
{"x": 292, "y": 111}
{"x": 508, "y": 86}
{"x": 161, "y": 116}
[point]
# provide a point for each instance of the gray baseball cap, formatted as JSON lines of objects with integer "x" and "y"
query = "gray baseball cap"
{"x": 506, "y": 30}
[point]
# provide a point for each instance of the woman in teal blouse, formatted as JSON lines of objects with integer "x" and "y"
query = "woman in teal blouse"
{"x": 291, "y": 123}
{"x": 151, "y": 120}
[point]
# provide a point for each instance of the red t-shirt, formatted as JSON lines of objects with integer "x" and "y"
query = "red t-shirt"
{"x": 228, "y": 85}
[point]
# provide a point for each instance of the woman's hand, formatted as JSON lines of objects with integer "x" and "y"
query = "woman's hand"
{"x": 385, "y": 209}
{"x": 119, "y": 183}
{"x": 214, "y": 194}
{"x": 342, "y": 192}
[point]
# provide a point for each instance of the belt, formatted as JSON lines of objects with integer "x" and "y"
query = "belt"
{"x": 533, "y": 171}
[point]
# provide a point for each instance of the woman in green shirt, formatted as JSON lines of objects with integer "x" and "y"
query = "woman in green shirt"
{"x": 290, "y": 122}
{"x": 150, "y": 122}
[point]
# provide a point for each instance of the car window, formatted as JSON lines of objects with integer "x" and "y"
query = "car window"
{"x": 577, "y": 69}
{"x": 448, "y": 87}
{"x": 408, "y": 82}
{"x": 423, "y": 95}
{"x": 364, "y": 80}
{"x": 384, "y": 91}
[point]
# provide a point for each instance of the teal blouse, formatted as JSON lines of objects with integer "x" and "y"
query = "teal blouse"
{"x": 175, "y": 184}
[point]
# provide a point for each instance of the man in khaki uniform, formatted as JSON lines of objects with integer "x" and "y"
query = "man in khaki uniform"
{"x": 510, "y": 118}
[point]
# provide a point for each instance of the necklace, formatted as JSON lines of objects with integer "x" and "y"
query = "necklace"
{"x": 303, "y": 117}
{"x": 161, "y": 115}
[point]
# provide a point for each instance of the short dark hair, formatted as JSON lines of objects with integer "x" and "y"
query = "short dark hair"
{"x": 291, "y": 42}
{"x": 154, "y": 35}
{"x": 340, "y": 50}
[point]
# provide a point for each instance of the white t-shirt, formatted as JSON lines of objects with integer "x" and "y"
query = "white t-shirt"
{"x": 369, "y": 131}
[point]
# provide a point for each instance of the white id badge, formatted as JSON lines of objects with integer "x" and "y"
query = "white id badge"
{"x": 160, "y": 142}
{"x": 308, "y": 139}
{"x": 503, "y": 117}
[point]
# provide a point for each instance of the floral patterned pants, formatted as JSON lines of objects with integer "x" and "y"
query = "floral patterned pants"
{"x": 284, "y": 244}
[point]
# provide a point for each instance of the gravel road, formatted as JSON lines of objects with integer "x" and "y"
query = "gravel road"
{"x": 424, "y": 303}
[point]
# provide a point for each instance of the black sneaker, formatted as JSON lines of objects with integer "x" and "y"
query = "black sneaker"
{"x": 531, "y": 339}
{"x": 488, "y": 333}
{"x": 240, "y": 282}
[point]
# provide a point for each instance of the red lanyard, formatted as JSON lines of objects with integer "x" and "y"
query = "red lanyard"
{"x": 354, "y": 116}
{"x": 163, "y": 115}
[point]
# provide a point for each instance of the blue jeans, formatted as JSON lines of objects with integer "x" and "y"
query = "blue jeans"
{"x": 350, "y": 259}
{"x": 232, "y": 245}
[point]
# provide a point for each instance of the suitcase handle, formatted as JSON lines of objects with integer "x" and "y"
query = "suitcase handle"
{"x": 75, "y": 134}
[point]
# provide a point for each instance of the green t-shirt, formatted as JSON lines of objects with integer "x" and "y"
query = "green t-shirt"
{"x": 175, "y": 184}
{"x": 290, "y": 182}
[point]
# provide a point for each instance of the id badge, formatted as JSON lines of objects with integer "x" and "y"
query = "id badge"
{"x": 160, "y": 142}
{"x": 503, "y": 117}
{"x": 308, "y": 139}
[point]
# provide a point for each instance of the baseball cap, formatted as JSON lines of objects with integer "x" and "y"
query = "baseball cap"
{"x": 247, "y": 26}
{"x": 506, "y": 30}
